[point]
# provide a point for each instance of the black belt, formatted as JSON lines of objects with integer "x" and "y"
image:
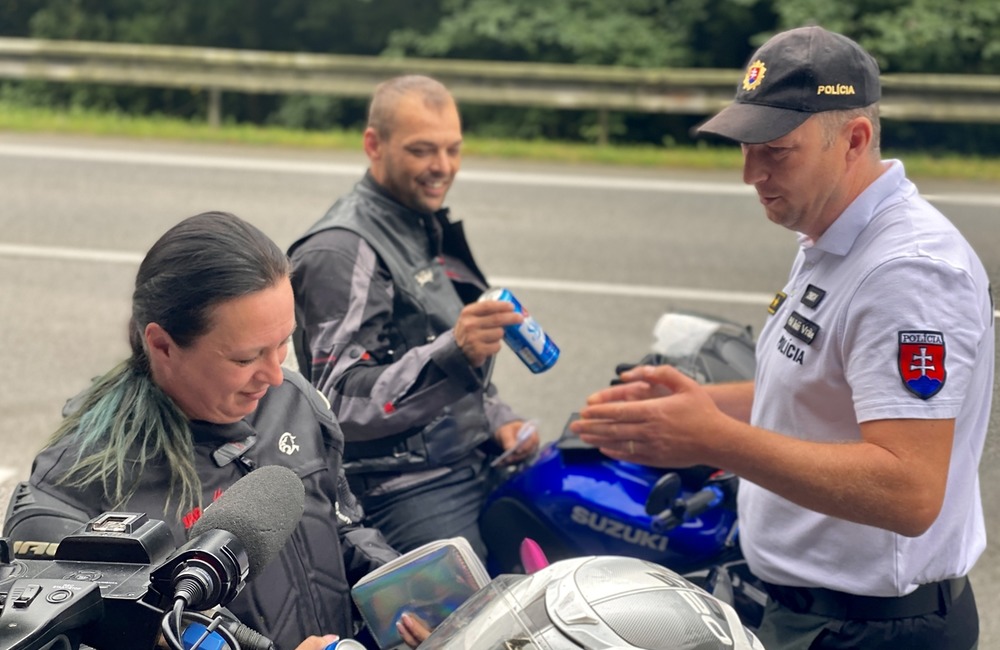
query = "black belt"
{"x": 926, "y": 599}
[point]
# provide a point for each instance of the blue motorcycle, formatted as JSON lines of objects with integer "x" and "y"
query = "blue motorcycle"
{"x": 574, "y": 501}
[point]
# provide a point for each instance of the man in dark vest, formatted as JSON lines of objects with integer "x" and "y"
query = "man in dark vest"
{"x": 391, "y": 332}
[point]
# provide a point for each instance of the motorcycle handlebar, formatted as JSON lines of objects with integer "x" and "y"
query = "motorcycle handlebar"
{"x": 669, "y": 509}
{"x": 702, "y": 500}
{"x": 683, "y": 509}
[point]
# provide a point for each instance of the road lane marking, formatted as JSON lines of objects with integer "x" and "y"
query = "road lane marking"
{"x": 538, "y": 284}
{"x": 354, "y": 170}
{"x": 69, "y": 254}
{"x": 275, "y": 165}
{"x": 634, "y": 290}
{"x": 593, "y": 288}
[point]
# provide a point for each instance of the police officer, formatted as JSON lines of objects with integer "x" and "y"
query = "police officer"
{"x": 860, "y": 438}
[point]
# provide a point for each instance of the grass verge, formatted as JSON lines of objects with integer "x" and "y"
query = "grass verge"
{"x": 15, "y": 118}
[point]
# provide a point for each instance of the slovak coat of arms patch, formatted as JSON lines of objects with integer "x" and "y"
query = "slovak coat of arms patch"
{"x": 921, "y": 362}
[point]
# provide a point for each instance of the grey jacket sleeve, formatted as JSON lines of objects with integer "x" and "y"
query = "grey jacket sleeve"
{"x": 376, "y": 387}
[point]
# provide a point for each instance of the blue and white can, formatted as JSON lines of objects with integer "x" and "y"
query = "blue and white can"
{"x": 345, "y": 644}
{"x": 528, "y": 340}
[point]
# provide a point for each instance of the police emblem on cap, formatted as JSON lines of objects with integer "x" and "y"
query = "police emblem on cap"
{"x": 921, "y": 362}
{"x": 755, "y": 75}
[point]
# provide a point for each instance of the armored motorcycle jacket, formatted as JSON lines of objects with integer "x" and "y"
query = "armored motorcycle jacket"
{"x": 305, "y": 590}
{"x": 378, "y": 290}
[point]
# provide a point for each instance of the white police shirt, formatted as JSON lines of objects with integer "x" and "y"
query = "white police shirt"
{"x": 887, "y": 315}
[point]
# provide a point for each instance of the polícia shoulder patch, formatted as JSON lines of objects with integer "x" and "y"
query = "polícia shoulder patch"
{"x": 921, "y": 362}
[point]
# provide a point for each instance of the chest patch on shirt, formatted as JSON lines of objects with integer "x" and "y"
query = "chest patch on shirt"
{"x": 813, "y": 296}
{"x": 921, "y": 362}
{"x": 776, "y": 302}
{"x": 801, "y": 327}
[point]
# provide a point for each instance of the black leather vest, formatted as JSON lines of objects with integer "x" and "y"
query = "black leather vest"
{"x": 426, "y": 303}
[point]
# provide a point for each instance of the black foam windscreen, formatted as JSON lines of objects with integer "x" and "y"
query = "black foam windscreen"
{"x": 261, "y": 510}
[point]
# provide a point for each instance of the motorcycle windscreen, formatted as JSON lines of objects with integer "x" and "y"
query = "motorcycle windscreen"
{"x": 507, "y": 614}
{"x": 708, "y": 349}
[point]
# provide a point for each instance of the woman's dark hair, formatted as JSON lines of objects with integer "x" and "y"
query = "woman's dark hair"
{"x": 202, "y": 261}
{"x": 124, "y": 420}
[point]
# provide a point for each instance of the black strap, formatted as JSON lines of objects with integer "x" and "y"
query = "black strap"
{"x": 935, "y": 597}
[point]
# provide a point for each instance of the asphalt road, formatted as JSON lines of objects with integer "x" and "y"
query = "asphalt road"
{"x": 596, "y": 255}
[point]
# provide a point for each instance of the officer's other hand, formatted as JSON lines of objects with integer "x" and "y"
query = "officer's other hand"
{"x": 479, "y": 329}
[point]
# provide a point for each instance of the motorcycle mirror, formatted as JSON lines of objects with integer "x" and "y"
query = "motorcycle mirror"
{"x": 663, "y": 494}
{"x": 624, "y": 367}
{"x": 619, "y": 369}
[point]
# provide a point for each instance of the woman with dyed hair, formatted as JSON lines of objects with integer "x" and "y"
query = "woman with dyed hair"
{"x": 202, "y": 401}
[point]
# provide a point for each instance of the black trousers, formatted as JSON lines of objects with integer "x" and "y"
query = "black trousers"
{"x": 955, "y": 626}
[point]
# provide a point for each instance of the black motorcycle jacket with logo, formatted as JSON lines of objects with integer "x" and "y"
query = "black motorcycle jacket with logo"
{"x": 305, "y": 590}
{"x": 378, "y": 289}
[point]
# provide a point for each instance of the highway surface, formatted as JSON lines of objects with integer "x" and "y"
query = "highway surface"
{"x": 597, "y": 254}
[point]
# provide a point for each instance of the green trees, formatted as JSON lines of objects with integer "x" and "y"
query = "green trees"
{"x": 911, "y": 35}
{"x": 341, "y": 26}
{"x": 926, "y": 36}
{"x": 632, "y": 33}
{"x": 327, "y": 26}
{"x": 917, "y": 36}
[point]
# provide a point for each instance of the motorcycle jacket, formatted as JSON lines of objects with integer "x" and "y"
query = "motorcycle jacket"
{"x": 378, "y": 289}
{"x": 305, "y": 590}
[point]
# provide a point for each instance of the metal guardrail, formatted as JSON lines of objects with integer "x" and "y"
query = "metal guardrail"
{"x": 694, "y": 91}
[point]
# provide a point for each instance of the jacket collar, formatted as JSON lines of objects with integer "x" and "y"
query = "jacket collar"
{"x": 369, "y": 183}
{"x": 230, "y": 432}
{"x": 431, "y": 223}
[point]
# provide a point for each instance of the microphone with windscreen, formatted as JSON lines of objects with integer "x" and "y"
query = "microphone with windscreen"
{"x": 146, "y": 589}
{"x": 235, "y": 538}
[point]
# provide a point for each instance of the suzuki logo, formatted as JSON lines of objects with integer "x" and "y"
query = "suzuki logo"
{"x": 619, "y": 530}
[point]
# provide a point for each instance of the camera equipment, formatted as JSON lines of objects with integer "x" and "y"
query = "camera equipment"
{"x": 100, "y": 578}
{"x": 118, "y": 582}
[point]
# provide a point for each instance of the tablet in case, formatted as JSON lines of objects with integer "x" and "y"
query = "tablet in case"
{"x": 429, "y": 582}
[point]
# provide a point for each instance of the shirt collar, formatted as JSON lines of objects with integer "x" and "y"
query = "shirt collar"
{"x": 839, "y": 238}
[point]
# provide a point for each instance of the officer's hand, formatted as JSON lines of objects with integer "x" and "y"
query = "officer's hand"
{"x": 680, "y": 429}
{"x": 479, "y": 329}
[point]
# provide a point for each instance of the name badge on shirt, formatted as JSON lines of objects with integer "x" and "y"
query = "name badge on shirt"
{"x": 801, "y": 327}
